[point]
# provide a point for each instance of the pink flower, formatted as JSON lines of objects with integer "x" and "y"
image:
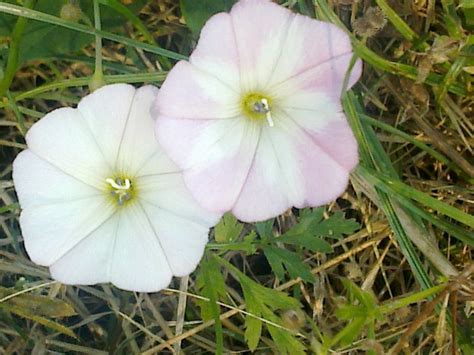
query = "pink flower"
{"x": 254, "y": 118}
{"x": 101, "y": 202}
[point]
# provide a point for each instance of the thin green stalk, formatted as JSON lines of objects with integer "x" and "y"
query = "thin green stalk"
{"x": 19, "y": 116}
{"x": 14, "y": 51}
{"x": 434, "y": 153}
{"x": 97, "y": 79}
{"x": 39, "y": 16}
{"x": 393, "y": 186}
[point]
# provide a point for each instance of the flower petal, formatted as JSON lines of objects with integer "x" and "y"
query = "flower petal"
{"x": 72, "y": 149}
{"x": 310, "y": 44}
{"x": 290, "y": 169}
{"x": 192, "y": 93}
{"x": 216, "y": 51}
{"x": 52, "y": 230}
{"x": 88, "y": 262}
{"x": 106, "y": 112}
{"x": 138, "y": 143}
{"x": 215, "y": 156}
{"x": 168, "y": 192}
{"x": 182, "y": 239}
{"x": 326, "y": 78}
{"x": 138, "y": 262}
{"x": 260, "y": 28}
{"x": 34, "y": 178}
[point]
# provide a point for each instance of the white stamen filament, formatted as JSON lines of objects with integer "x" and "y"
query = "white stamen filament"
{"x": 116, "y": 186}
{"x": 266, "y": 107}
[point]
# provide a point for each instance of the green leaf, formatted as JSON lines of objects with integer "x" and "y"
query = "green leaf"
{"x": 336, "y": 226}
{"x": 228, "y": 229}
{"x": 211, "y": 285}
{"x": 196, "y": 13}
{"x": 265, "y": 229}
{"x": 308, "y": 241}
{"x": 282, "y": 258}
{"x": 264, "y": 302}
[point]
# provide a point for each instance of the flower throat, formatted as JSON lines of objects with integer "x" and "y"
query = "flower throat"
{"x": 257, "y": 107}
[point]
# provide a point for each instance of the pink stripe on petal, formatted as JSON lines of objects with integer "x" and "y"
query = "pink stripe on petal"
{"x": 189, "y": 92}
{"x": 293, "y": 168}
{"x": 216, "y": 51}
{"x": 215, "y": 156}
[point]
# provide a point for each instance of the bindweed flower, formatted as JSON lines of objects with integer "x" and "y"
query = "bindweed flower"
{"x": 254, "y": 118}
{"x": 101, "y": 202}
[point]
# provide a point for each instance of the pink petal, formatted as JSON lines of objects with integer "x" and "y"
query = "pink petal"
{"x": 216, "y": 51}
{"x": 189, "y": 92}
{"x": 327, "y": 77}
{"x": 293, "y": 168}
{"x": 215, "y": 156}
{"x": 310, "y": 44}
{"x": 260, "y": 28}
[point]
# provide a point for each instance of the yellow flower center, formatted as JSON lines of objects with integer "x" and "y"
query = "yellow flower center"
{"x": 120, "y": 189}
{"x": 256, "y": 106}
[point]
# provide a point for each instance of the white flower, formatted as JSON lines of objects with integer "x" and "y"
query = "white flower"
{"x": 101, "y": 202}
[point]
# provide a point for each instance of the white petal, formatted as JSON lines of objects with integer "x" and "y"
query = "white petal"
{"x": 52, "y": 230}
{"x": 168, "y": 192}
{"x": 138, "y": 261}
{"x": 106, "y": 112}
{"x": 63, "y": 139}
{"x": 138, "y": 143}
{"x": 89, "y": 261}
{"x": 182, "y": 239}
{"x": 37, "y": 182}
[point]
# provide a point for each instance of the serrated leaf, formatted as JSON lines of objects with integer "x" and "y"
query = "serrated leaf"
{"x": 279, "y": 258}
{"x": 262, "y": 302}
{"x": 336, "y": 226}
{"x": 196, "y": 13}
{"x": 308, "y": 241}
{"x": 265, "y": 229}
{"x": 228, "y": 229}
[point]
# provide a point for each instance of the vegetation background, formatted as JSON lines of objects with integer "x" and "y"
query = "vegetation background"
{"x": 387, "y": 268}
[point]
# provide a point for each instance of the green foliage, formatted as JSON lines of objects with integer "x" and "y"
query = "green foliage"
{"x": 228, "y": 229}
{"x": 210, "y": 284}
{"x": 307, "y": 233}
{"x": 262, "y": 302}
{"x": 44, "y": 40}
{"x": 196, "y": 13}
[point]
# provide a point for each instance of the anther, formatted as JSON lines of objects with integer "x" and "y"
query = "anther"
{"x": 262, "y": 106}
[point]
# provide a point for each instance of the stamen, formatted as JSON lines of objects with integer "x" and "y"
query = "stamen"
{"x": 268, "y": 112}
{"x": 114, "y": 184}
{"x": 121, "y": 189}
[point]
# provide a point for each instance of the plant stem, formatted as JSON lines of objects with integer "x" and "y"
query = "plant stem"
{"x": 14, "y": 51}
